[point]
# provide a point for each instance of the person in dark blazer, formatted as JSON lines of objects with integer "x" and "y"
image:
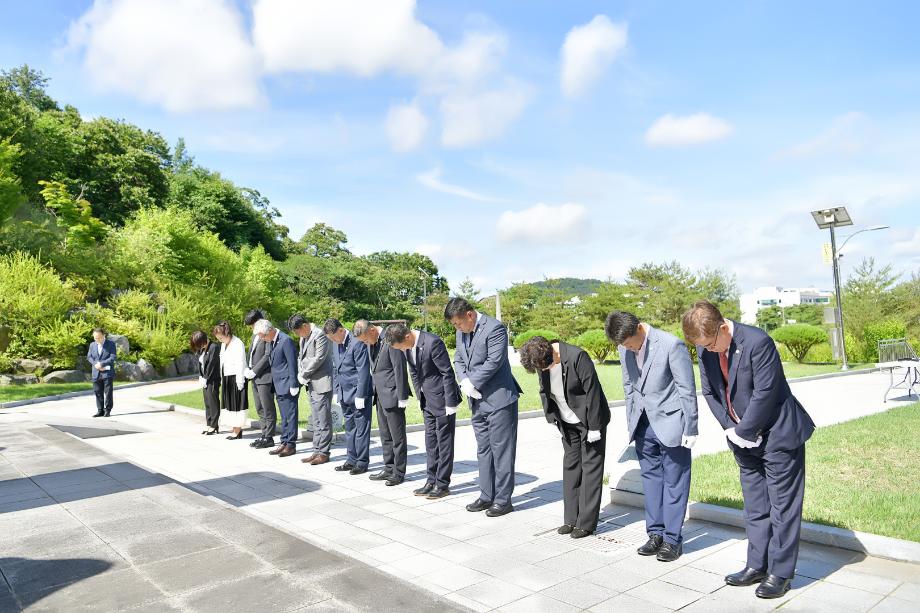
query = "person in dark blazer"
{"x": 439, "y": 397}
{"x": 263, "y": 393}
{"x": 391, "y": 394}
{"x": 101, "y": 357}
{"x": 662, "y": 418}
{"x": 574, "y": 402}
{"x": 209, "y": 378}
{"x": 283, "y": 359}
{"x": 485, "y": 378}
{"x": 314, "y": 372}
{"x": 746, "y": 389}
{"x": 354, "y": 389}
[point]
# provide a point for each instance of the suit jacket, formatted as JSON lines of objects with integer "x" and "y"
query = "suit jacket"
{"x": 485, "y": 364}
{"x": 758, "y": 390}
{"x": 259, "y": 360}
{"x": 315, "y": 361}
{"x": 351, "y": 371}
{"x": 390, "y": 375}
{"x": 283, "y": 357}
{"x": 582, "y": 387}
{"x": 433, "y": 376}
{"x": 209, "y": 368}
{"x": 106, "y": 356}
{"x": 665, "y": 388}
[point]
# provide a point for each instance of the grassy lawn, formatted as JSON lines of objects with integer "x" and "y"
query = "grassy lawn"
{"x": 9, "y": 393}
{"x": 860, "y": 475}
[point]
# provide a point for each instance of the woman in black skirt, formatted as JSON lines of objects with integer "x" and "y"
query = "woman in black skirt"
{"x": 234, "y": 397}
{"x": 209, "y": 377}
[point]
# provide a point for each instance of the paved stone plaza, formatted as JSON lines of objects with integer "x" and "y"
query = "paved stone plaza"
{"x": 158, "y": 517}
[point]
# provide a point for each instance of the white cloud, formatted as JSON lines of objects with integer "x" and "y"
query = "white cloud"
{"x": 675, "y": 131}
{"x": 183, "y": 55}
{"x": 432, "y": 180}
{"x": 588, "y": 51}
{"x": 566, "y": 221}
{"x": 848, "y": 134}
{"x": 430, "y": 249}
{"x": 909, "y": 246}
{"x": 471, "y": 118}
{"x": 406, "y": 126}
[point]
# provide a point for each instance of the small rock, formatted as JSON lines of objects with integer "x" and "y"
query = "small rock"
{"x": 64, "y": 376}
{"x": 187, "y": 364}
{"x": 146, "y": 370}
{"x": 121, "y": 343}
{"x": 126, "y": 371}
{"x": 26, "y": 365}
{"x": 18, "y": 379}
{"x": 171, "y": 371}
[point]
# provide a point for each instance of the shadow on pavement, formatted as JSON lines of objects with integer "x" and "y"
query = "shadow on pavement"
{"x": 31, "y": 580}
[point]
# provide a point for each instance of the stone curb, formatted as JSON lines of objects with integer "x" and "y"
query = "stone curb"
{"x": 863, "y": 542}
{"x": 89, "y": 392}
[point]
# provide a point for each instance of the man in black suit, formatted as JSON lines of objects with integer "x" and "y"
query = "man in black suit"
{"x": 283, "y": 358}
{"x": 391, "y": 393}
{"x": 439, "y": 396}
{"x": 101, "y": 356}
{"x": 744, "y": 384}
{"x": 263, "y": 392}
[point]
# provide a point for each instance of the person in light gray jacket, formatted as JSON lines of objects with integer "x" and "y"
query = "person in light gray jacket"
{"x": 661, "y": 416}
{"x": 314, "y": 360}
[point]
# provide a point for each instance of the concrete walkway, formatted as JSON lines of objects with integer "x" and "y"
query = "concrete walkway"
{"x": 512, "y": 563}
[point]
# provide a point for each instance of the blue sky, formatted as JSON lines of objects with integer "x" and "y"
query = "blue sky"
{"x": 517, "y": 140}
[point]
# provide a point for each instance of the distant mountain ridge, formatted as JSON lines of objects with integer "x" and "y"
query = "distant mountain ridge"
{"x": 570, "y": 285}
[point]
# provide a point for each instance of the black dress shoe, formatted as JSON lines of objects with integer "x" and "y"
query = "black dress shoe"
{"x": 748, "y": 576}
{"x": 578, "y": 533}
{"x": 497, "y": 510}
{"x": 652, "y": 545}
{"x": 211, "y": 432}
{"x": 478, "y": 505}
{"x": 344, "y": 467}
{"x": 254, "y": 443}
{"x": 394, "y": 481}
{"x": 772, "y": 587}
{"x": 383, "y": 475}
{"x": 438, "y": 492}
{"x": 107, "y": 414}
{"x": 565, "y": 529}
{"x": 265, "y": 443}
{"x": 669, "y": 552}
{"x": 99, "y": 414}
{"x": 235, "y": 437}
{"x": 424, "y": 490}
{"x": 357, "y": 471}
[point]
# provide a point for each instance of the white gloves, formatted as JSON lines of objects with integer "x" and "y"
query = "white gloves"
{"x": 466, "y": 386}
{"x": 98, "y": 365}
{"x": 402, "y": 404}
{"x": 295, "y": 391}
{"x": 450, "y": 410}
{"x": 202, "y": 382}
{"x": 594, "y": 436}
{"x": 249, "y": 373}
{"x": 240, "y": 386}
{"x": 687, "y": 441}
{"x": 740, "y": 442}
{"x": 335, "y": 399}
{"x": 301, "y": 379}
{"x": 359, "y": 402}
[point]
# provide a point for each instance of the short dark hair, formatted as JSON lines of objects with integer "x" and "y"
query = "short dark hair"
{"x": 396, "y": 333}
{"x": 332, "y": 326}
{"x": 199, "y": 340}
{"x": 536, "y": 354}
{"x": 620, "y": 325}
{"x": 223, "y": 328}
{"x": 253, "y": 316}
{"x": 99, "y": 330}
{"x": 296, "y": 322}
{"x": 456, "y": 307}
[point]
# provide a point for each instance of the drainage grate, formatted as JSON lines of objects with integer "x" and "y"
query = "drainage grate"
{"x": 608, "y": 538}
{"x": 85, "y": 432}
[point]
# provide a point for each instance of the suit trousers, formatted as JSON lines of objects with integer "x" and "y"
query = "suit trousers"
{"x": 321, "y": 420}
{"x": 392, "y": 424}
{"x": 665, "y": 483}
{"x": 773, "y": 485}
{"x": 357, "y": 434}
{"x": 103, "y": 389}
{"x": 264, "y": 396}
{"x": 289, "y": 410}
{"x": 582, "y": 476}
{"x": 496, "y": 448}
{"x": 211, "y": 395}
{"x": 439, "y": 448}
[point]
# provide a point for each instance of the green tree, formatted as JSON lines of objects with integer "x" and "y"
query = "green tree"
{"x": 596, "y": 343}
{"x": 799, "y": 338}
{"x": 30, "y": 85}
{"x": 10, "y": 187}
{"x": 74, "y": 214}
{"x": 812, "y": 314}
{"x": 468, "y": 290}
{"x": 770, "y": 318}
{"x": 323, "y": 241}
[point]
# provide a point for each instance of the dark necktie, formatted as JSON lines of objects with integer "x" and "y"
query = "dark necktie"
{"x": 410, "y": 355}
{"x": 723, "y": 364}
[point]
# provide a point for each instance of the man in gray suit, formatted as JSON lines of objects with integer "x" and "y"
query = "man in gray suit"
{"x": 263, "y": 392}
{"x": 485, "y": 378}
{"x": 661, "y": 416}
{"x": 314, "y": 371}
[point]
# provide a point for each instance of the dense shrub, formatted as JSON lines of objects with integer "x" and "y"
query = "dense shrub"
{"x": 596, "y": 343}
{"x": 875, "y": 332}
{"x": 799, "y": 338}
{"x": 63, "y": 341}
{"x": 523, "y": 337}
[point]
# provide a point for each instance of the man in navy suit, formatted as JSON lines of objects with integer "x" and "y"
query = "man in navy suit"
{"x": 283, "y": 359}
{"x": 101, "y": 356}
{"x": 485, "y": 378}
{"x": 744, "y": 384}
{"x": 439, "y": 396}
{"x": 353, "y": 387}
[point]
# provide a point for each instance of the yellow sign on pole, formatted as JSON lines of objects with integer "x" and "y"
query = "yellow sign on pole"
{"x": 827, "y": 253}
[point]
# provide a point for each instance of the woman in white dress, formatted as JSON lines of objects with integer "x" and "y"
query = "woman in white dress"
{"x": 234, "y": 393}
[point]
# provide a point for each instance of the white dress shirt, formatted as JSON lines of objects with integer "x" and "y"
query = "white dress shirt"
{"x": 558, "y": 392}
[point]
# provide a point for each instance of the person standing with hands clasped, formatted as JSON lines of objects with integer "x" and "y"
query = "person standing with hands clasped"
{"x": 101, "y": 356}
{"x": 574, "y": 402}
{"x": 662, "y": 418}
{"x": 234, "y": 395}
{"x": 209, "y": 378}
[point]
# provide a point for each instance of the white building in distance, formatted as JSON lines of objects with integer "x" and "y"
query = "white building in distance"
{"x": 783, "y": 297}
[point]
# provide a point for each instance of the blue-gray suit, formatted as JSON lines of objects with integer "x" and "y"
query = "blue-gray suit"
{"x": 482, "y": 357}
{"x": 351, "y": 380}
{"x": 283, "y": 359}
{"x": 103, "y": 379}
{"x": 660, "y": 410}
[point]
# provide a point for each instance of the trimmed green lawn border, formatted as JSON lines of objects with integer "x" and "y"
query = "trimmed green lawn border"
{"x": 860, "y": 475}
{"x": 10, "y": 393}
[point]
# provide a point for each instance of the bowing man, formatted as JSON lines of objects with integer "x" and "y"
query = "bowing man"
{"x": 353, "y": 388}
{"x": 283, "y": 358}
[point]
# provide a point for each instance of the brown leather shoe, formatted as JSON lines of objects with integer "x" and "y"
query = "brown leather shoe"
{"x": 319, "y": 459}
{"x": 277, "y": 450}
{"x": 309, "y": 458}
{"x": 287, "y": 451}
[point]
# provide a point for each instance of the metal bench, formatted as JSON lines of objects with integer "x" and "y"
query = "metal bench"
{"x": 895, "y": 354}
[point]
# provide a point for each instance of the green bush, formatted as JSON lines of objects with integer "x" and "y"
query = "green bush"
{"x": 523, "y": 337}
{"x": 63, "y": 341}
{"x": 799, "y": 338}
{"x": 819, "y": 354}
{"x": 596, "y": 343}
{"x": 132, "y": 304}
{"x": 878, "y": 331}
